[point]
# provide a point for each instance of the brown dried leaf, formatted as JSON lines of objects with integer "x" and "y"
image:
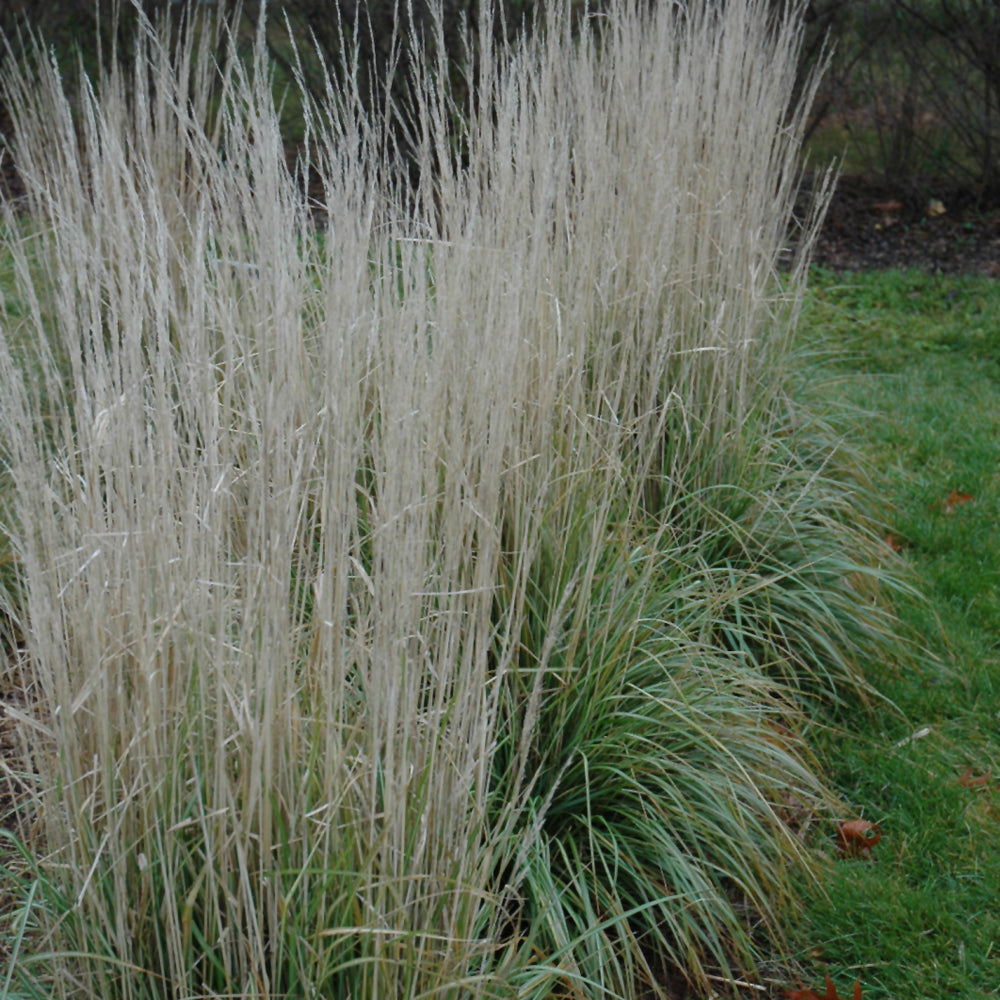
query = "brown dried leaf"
{"x": 804, "y": 993}
{"x": 857, "y": 837}
{"x": 895, "y": 543}
{"x": 967, "y": 780}
{"x": 954, "y": 500}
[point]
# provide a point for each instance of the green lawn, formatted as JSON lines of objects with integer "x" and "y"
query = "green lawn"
{"x": 919, "y": 358}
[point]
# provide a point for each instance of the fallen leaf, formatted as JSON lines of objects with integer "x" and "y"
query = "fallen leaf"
{"x": 831, "y": 992}
{"x": 954, "y": 500}
{"x": 894, "y": 543}
{"x": 888, "y": 212}
{"x": 935, "y": 208}
{"x": 979, "y": 781}
{"x": 889, "y": 207}
{"x": 803, "y": 994}
{"x": 857, "y": 837}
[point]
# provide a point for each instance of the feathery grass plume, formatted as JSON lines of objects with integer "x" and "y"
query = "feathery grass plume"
{"x": 382, "y": 580}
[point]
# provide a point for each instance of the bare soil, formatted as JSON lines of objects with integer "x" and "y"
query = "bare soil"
{"x": 872, "y": 225}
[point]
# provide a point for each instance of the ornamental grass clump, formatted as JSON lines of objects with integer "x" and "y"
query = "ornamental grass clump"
{"x": 395, "y": 584}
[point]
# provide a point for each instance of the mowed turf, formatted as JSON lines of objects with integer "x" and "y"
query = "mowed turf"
{"x": 918, "y": 356}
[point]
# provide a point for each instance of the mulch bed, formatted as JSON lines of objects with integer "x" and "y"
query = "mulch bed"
{"x": 872, "y": 225}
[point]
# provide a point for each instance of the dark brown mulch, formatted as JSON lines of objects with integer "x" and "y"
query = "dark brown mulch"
{"x": 874, "y": 226}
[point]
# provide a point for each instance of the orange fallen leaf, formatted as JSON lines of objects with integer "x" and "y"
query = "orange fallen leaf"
{"x": 803, "y": 994}
{"x": 857, "y": 837}
{"x": 979, "y": 781}
{"x": 894, "y": 543}
{"x": 831, "y": 992}
{"x": 955, "y": 499}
